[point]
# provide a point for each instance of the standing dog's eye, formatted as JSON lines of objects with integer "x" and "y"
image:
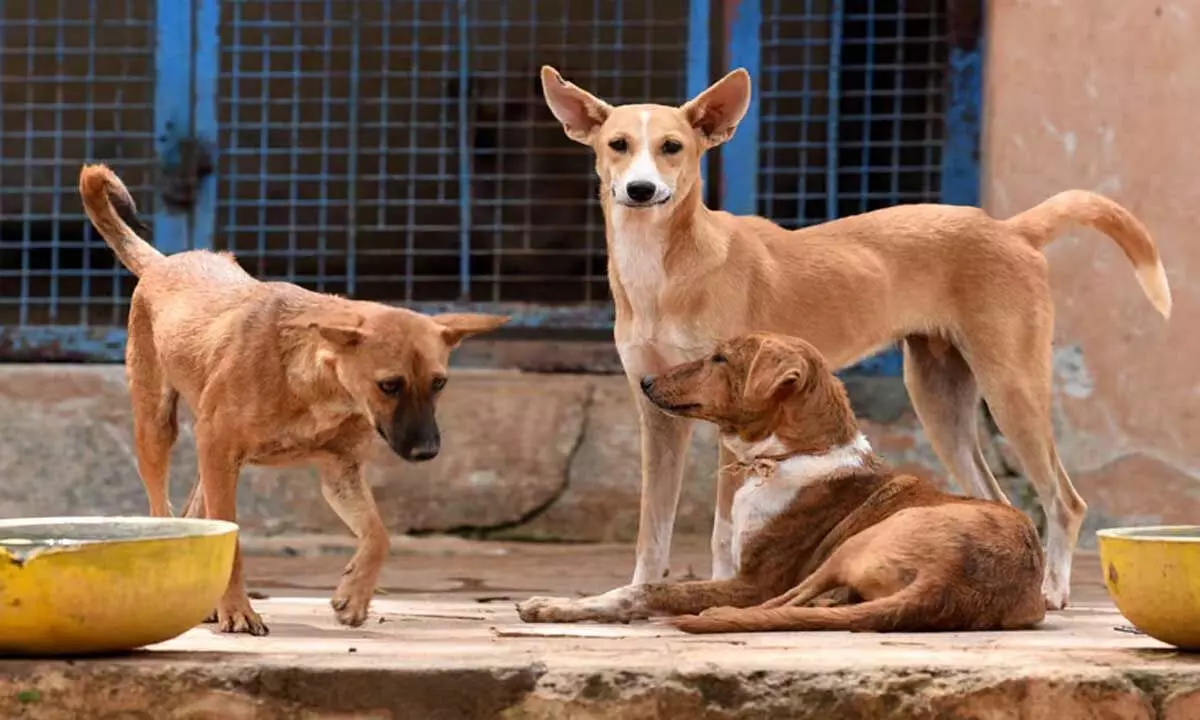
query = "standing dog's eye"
{"x": 718, "y": 358}
{"x": 391, "y": 386}
{"x": 618, "y": 144}
{"x": 439, "y": 383}
{"x": 670, "y": 147}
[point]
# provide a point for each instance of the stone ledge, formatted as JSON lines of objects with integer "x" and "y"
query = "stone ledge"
{"x": 454, "y": 658}
{"x": 444, "y": 642}
{"x": 525, "y": 456}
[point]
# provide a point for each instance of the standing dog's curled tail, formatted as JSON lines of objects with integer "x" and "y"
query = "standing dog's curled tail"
{"x": 111, "y": 209}
{"x": 1043, "y": 222}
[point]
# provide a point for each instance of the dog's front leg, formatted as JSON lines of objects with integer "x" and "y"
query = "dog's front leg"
{"x": 347, "y": 492}
{"x": 638, "y": 602}
{"x": 728, "y": 481}
{"x": 664, "y": 449}
{"x": 219, "y": 468}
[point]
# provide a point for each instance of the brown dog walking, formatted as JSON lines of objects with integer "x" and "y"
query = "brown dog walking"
{"x": 275, "y": 375}
{"x": 824, "y": 536}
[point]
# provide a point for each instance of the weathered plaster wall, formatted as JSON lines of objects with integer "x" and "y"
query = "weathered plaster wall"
{"x": 1104, "y": 95}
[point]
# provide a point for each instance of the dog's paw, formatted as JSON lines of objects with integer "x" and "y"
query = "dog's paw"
{"x": 241, "y": 618}
{"x": 615, "y": 606}
{"x": 1055, "y": 601}
{"x": 548, "y": 610}
{"x": 351, "y": 608}
{"x": 1055, "y": 593}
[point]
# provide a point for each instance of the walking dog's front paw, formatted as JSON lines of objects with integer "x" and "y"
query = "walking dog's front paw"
{"x": 240, "y": 618}
{"x": 351, "y": 604}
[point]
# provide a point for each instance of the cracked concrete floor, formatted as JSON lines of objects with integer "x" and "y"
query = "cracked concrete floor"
{"x": 444, "y": 642}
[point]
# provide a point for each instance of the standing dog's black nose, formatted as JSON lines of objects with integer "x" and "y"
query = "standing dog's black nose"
{"x": 647, "y": 381}
{"x": 640, "y": 191}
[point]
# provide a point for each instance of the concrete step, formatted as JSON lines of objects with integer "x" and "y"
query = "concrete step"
{"x": 445, "y": 642}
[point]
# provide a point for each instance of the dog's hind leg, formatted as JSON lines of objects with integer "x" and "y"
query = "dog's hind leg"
{"x": 155, "y": 424}
{"x": 193, "y": 507}
{"x": 1014, "y": 370}
{"x": 824, "y": 579}
{"x": 946, "y": 397}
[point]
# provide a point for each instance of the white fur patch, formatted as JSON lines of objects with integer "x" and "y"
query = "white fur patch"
{"x": 637, "y": 245}
{"x": 761, "y": 499}
{"x": 637, "y": 248}
{"x": 642, "y": 169}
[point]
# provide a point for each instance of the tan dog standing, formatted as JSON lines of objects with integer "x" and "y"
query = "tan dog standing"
{"x": 968, "y": 294}
{"x": 824, "y": 537}
{"x": 275, "y": 375}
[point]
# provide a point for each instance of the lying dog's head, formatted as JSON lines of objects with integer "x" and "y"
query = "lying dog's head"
{"x": 649, "y": 155}
{"x": 756, "y": 385}
{"x": 394, "y": 363}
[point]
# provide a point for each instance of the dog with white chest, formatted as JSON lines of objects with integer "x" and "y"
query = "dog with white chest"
{"x": 823, "y": 535}
{"x": 968, "y": 296}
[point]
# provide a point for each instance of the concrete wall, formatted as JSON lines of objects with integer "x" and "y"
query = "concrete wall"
{"x": 525, "y": 455}
{"x": 1104, "y": 95}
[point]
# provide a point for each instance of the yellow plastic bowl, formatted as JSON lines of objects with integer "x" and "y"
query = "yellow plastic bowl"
{"x": 86, "y": 585}
{"x": 1153, "y": 575}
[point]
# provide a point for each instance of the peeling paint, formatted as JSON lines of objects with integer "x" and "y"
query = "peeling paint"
{"x": 1072, "y": 373}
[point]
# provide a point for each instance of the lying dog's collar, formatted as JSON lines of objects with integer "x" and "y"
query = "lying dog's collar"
{"x": 837, "y": 458}
{"x": 763, "y": 467}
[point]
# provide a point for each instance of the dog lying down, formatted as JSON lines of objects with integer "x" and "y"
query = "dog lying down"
{"x": 275, "y": 375}
{"x": 825, "y": 537}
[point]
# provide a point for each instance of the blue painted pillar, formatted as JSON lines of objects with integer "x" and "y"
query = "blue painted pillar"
{"x": 964, "y": 102}
{"x": 739, "y": 158}
{"x": 187, "y": 67}
{"x": 206, "y": 71}
{"x": 172, "y": 111}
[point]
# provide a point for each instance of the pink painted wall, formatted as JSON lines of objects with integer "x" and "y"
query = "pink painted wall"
{"x": 1105, "y": 95}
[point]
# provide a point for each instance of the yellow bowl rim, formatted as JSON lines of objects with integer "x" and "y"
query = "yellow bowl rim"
{"x": 190, "y": 527}
{"x": 1146, "y": 532}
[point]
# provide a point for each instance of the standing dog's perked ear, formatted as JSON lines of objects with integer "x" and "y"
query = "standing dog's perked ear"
{"x": 580, "y": 112}
{"x": 716, "y": 112}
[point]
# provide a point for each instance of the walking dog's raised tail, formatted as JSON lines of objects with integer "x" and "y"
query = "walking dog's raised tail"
{"x": 111, "y": 209}
{"x": 1043, "y": 222}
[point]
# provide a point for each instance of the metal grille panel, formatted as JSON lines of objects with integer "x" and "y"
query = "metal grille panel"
{"x": 76, "y": 83}
{"x": 401, "y": 151}
{"x": 852, "y": 106}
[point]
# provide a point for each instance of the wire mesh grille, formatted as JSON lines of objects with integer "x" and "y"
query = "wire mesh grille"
{"x": 402, "y": 151}
{"x": 852, "y": 106}
{"x": 76, "y": 83}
